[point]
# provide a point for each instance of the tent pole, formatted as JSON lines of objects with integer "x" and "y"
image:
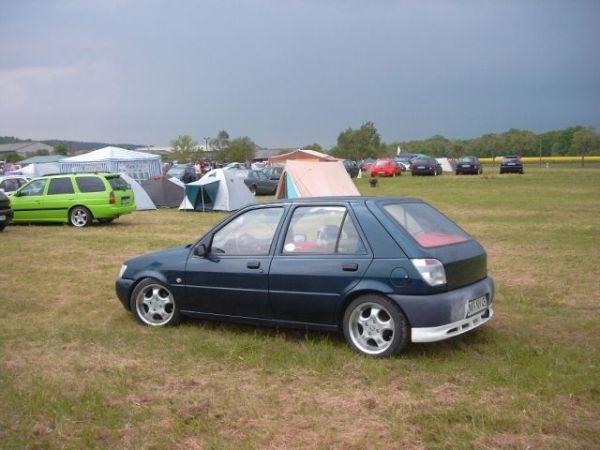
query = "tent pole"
{"x": 202, "y": 195}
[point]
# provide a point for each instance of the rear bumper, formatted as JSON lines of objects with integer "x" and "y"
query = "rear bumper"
{"x": 423, "y": 171}
{"x": 109, "y": 211}
{"x": 123, "y": 288}
{"x": 511, "y": 169}
{"x": 435, "y": 317}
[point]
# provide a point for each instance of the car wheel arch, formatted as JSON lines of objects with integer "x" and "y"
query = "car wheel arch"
{"x": 80, "y": 206}
{"x": 146, "y": 275}
{"x": 351, "y": 296}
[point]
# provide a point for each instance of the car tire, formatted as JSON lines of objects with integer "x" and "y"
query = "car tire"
{"x": 80, "y": 216}
{"x": 375, "y": 326}
{"x": 2, "y": 226}
{"x": 153, "y": 304}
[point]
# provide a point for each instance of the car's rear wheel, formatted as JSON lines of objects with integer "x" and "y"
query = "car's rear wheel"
{"x": 153, "y": 304}
{"x": 80, "y": 216}
{"x": 375, "y": 326}
{"x": 2, "y": 226}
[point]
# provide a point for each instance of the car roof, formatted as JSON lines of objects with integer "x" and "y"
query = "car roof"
{"x": 341, "y": 199}
{"x": 75, "y": 173}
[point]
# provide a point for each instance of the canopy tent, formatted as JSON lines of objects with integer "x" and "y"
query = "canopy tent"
{"x": 39, "y": 169}
{"x": 306, "y": 179}
{"x": 138, "y": 165}
{"x": 142, "y": 199}
{"x": 301, "y": 155}
{"x": 218, "y": 190}
{"x": 164, "y": 192}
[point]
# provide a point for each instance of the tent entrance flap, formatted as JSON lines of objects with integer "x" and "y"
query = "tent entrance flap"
{"x": 205, "y": 196}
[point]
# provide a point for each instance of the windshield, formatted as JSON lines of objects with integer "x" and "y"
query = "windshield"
{"x": 467, "y": 159}
{"x": 425, "y": 224}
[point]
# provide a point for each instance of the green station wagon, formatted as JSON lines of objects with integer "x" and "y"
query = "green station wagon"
{"x": 77, "y": 199}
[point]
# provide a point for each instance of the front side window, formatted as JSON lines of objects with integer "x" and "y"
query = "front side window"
{"x": 323, "y": 230}
{"x": 249, "y": 234}
{"x": 60, "y": 186}
{"x": 90, "y": 184}
{"x": 425, "y": 224}
{"x": 36, "y": 187}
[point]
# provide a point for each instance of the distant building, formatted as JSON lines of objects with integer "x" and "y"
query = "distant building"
{"x": 25, "y": 148}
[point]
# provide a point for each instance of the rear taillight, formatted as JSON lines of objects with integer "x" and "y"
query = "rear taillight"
{"x": 431, "y": 270}
{"x": 430, "y": 167}
{"x": 111, "y": 198}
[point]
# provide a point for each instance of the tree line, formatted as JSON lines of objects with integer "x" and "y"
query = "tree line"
{"x": 365, "y": 141}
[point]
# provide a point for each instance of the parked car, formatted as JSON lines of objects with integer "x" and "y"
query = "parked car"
{"x": 274, "y": 173}
{"x": 259, "y": 184}
{"x": 385, "y": 167}
{"x": 386, "y": 271}
{"x": 10, "y": 183}
{"x": 77, "y": 199}
{"x": 351, "y": 167}
{"x": 184, "y": 172}
{"x": 6, "y": 212}
{"x": 511, "y": 164}
{"x": 469, "y": 164}
{"x": 425, "y": 166}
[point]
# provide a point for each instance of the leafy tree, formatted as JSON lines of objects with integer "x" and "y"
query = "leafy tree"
{"x": 315, "y": 146}
{"x": 240, "y": 149}
{"x": 358, "y": 144}
{"x": 185, "y": 148}
{"x": 61, "y": 149}
{"x": 221, "y": 142}
{"x": 585, "y": 141}
{"x": 42, "y": 152}
{"x": 11, "y": 157}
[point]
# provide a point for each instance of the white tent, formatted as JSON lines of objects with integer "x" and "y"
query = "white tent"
{"x": 142, "y": 199}
{"x": 446, "y": 164}
{"x": 40, "y": 169}
{"x": 218, "y": 190}
{"x": 138, "y": 165}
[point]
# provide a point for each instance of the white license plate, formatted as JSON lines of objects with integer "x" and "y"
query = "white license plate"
{"x": 2, "y": 217}
{"x": 466, "y": 165}
{"x": 512, "y": 164}
{"x": 421, "y": 167}
{"x": 477, "y": 305}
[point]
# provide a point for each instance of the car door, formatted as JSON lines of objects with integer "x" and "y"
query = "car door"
{"x": 59, "y": 198}
{"x": 27, "y": 202}
{"x": 232, "y": 279}
{"x": 319, "y": 258}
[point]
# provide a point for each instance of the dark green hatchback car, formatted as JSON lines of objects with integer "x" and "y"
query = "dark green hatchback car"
{"x": 77, "y": 199}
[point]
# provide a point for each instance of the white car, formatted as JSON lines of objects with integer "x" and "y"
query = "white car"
{"x": 10, "y": 183}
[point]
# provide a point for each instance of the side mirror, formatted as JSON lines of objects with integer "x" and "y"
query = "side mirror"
{"x": 200, "y": 250}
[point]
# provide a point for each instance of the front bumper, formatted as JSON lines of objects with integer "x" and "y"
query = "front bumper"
{"x": 123, "y": 288}
{"x": 441, "y": 316}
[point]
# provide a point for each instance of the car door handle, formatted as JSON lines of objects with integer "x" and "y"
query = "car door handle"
{"x": 350, "y": 267}
{"x": 253, "y": 264}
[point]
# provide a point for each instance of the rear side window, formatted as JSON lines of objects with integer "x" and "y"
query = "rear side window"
{"x": 90, "y": 184}
{"x": 426, "y": 225}
{"x": 118, "y": 183}
{"x": 60, "y": 186}
{"x": 323, "y": 230}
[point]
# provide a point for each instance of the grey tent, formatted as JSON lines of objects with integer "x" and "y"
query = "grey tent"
{"x": 142, "y": 199}
{"x": 165, "y": 192}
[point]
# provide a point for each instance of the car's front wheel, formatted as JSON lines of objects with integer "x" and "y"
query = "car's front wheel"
{"x": 80, "y": 216}
{"x": 153, "y": 304}
{"x": 375, "y": 326}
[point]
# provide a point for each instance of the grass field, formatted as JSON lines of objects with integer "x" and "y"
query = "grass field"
{"x": 77, "y": 371}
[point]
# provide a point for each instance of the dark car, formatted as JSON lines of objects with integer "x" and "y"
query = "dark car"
{"x": 384, "y": 270}
{"x": 469, "y": 164}
{"x": 511, "y": 164}
{"x": 425, "y": 166}
{"x": 184, "y": 172}
{"x": 274, "y": 173}
{"x": 259, "y": 184}
{"x": 6, "y": 214}
{"x": 351, "y": 167}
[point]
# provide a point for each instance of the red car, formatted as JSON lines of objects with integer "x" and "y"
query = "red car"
{"x": 386, "y": 168}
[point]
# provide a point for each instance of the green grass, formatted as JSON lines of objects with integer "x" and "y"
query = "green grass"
{"x": 77, "y": 371}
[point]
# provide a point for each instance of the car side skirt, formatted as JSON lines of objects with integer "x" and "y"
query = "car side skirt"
{"x": 261, "y": 321}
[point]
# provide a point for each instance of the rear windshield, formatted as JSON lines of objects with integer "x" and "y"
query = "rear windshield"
{"x": 117, "y": 183}
{"x": 425, "y": 224}
{"x": 382, "y": 162}
{"x": 467, "y": 159}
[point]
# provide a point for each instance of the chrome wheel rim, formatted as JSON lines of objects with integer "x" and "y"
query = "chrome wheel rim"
{"x": 371, "y": 328}
{"x": 79, "y": 217}
{"x": 155, "y": 305}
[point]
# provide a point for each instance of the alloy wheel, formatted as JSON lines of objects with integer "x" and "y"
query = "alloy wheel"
{"x": 371, "y": 328}
{"x": 155, "y": 305}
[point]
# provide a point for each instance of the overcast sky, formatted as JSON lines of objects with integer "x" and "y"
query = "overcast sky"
{"x": 288, "y": 73}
